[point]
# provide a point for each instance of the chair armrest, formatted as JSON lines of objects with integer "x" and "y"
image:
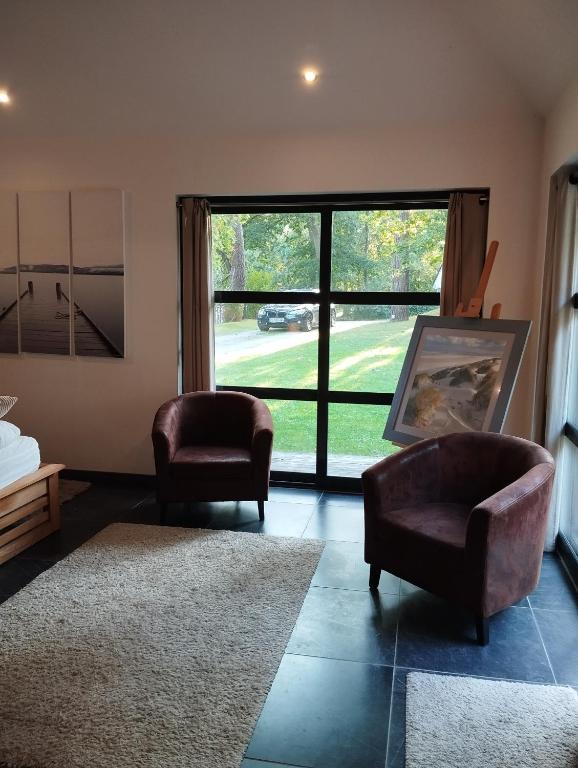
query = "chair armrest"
{"x": 404, "y": 479}
{"x": 262, "y": 436}
{"x": 166, "y": 433}
{"x": 261, "y": 446}
{"x": 505, "y": 540}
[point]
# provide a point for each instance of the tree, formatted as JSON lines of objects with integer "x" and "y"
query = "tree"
{"x": 400, "y": 268}
{"x": 379, "y": 250}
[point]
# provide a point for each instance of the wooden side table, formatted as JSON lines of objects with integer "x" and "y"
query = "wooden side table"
{"x": 29, "y": 510}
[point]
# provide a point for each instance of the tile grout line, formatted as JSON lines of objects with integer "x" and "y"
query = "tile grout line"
{"x": 302, "y": 535}
{"x": 352, "y": 589}
{"x": 543, "y": 643}
{"x": 335, "y": 658}
{"x": 393, "y": 674}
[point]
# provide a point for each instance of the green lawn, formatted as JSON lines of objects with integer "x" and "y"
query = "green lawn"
{"x": 367, "y": 357}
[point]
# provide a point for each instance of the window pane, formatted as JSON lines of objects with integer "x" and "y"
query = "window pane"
{"x": 295, "y": 430}
{"x": 388, "y": 250}
{"x": 266, "y": 251}
{"x": 570, "y": 512}
{"x": 245, "y": 356}
{"x": 568, "y": 466}
{"x": 355, "y": 438}
{"x": 368, "y": 346}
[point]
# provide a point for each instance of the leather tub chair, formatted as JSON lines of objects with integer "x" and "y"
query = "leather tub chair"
{"x": 462, "y": 516}
{"x": 213, "y": 446}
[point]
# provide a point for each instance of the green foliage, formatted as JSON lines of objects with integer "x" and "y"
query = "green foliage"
{"x": 371, "y": 251}
{"x": 374, "y": 249}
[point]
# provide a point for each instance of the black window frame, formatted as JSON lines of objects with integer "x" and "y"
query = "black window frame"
{"x": 565, "y": 545}
{"x": 326, "y": 205}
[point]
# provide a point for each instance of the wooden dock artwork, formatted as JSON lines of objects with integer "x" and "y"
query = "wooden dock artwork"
{"x": 62, "y": 273}
{"x": 46, "y": 323}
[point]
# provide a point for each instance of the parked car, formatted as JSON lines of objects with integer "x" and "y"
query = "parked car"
{"x": 304, "y": 316}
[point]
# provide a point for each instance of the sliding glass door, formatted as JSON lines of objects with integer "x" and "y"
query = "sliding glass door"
{"x": 569, "y": 470}
{"x": 315, "y": 302}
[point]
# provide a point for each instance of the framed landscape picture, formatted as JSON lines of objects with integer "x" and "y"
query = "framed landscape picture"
{"x": 458, "y": 376}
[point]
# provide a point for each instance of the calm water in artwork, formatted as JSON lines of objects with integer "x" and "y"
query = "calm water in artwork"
{"x": 45, "y": 313}
{"x": 8, "y": 318}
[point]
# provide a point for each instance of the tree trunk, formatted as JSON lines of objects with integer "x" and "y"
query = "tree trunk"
{"x": 314, "y": 233}
{"x": 238, "y": 257}
{"x": 400, "y": 280}
{"x": 234, "y": 312}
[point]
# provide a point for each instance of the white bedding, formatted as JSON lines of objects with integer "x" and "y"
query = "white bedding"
{"x": 18, "y": 459}
{"x": 8, "y": 433}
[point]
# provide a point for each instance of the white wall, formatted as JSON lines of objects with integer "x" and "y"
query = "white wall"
{"x": 560, "y": 148}
{"x": 96, "y": 414}
{"x": 561, "y": 134}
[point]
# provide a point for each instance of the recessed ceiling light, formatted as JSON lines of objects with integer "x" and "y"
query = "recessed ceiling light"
{"x": 4, "y": 96}
{"x": 310, "y": 75}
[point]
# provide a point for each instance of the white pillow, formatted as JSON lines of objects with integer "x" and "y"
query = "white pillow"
{"x": 6, "y": 402}
{"x": 8, "y": 434}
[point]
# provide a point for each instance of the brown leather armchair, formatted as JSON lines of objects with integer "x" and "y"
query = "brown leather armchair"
{"x": 213, "y": 446}
{"x": 463, "y": 516}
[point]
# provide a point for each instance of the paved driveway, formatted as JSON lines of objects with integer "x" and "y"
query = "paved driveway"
{"x": 244, "y": 345}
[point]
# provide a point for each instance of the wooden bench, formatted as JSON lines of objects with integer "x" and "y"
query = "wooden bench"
{"x": 29, "y": 510}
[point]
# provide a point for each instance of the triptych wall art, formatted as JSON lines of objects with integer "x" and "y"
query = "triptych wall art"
{"x": 62, "y": 273}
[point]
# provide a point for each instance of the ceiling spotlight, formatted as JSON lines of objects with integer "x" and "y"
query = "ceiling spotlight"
{"x": 4, "y": 96}
{"x": 310, "y": 76}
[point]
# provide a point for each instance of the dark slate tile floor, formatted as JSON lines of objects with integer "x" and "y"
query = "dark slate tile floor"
{"x": 338, "y": 699}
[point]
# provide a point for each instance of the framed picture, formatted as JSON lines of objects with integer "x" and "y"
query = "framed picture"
{"x": 458, "y": 376}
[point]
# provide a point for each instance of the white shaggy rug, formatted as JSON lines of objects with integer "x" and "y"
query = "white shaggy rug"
{"x": 463, "y": 721}
{"x": 148, "y": 647}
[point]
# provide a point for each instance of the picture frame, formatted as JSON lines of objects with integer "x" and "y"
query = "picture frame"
{"x": 458, "y": 376}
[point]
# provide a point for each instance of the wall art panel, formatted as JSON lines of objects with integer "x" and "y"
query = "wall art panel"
{"x": 97, "y": 218}
{"x": 8, "y": 272}
{"x": 44, "y": 237}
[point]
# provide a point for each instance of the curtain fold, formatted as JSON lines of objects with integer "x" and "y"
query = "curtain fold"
{"x": 464, "y": 252}
{"x": 197, "y": 297}
{"x": 556, "y": 320}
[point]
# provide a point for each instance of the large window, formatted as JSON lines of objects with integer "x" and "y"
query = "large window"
{"x": 569, "y": 468}
{"x": 315, "y": 302}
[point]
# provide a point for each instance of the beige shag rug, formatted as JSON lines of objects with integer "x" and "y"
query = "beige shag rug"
{"x": 464, "y": 721}
{"x": 148, "y": 647}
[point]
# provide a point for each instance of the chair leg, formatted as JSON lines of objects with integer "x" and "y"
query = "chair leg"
{"x": 483, "y": 630}
{"x": 374, "y": 574}
{"x": 261, "y": 505}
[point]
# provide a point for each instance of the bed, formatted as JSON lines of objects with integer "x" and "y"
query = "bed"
{"x": 17, "y": 459}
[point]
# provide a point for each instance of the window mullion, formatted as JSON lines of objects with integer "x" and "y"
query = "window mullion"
{"x": 323, "y": 344}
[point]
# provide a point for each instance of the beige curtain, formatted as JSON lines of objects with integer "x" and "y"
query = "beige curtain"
{"x": 464, "y": 252}
{"x": 197, "y": 297}
{"x": 557, "y": 315}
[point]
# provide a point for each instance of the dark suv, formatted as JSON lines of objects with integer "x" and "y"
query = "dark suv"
{"x": 304, "y": 316}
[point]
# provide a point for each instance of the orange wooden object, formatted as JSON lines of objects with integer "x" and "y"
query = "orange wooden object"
{"x": 474, "y": 307}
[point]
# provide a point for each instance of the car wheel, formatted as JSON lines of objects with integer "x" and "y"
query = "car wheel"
{"x": 263, "y": 327}
{"x": 307, "y": 324}
{"x": 333, "y": 317}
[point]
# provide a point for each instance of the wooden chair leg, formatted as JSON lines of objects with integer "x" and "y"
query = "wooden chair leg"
{"x": 374, "y": 574}
{"x": 483, "y": 630}
{"x": 261, "y": 505}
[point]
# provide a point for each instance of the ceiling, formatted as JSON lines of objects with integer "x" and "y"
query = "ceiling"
{"x": 147, "y": 67}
